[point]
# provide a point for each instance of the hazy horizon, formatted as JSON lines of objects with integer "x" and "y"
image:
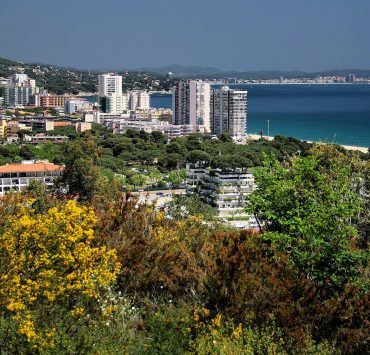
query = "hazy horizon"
{"x": 243, "y": 35}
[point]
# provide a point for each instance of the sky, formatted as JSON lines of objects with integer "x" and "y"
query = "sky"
{"x": 309, "y": 35}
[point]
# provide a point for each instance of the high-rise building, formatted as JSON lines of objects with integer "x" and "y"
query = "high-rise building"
{"x": 138, "y": 100}
{"x": 351, "y": 78}
{"x": 109, "y": 84}
{"x": 17, "y": 95}
{"x": 228, "y": 111}
{"x": 110, "y": 93}
{"x": 191, "y": 104}
{"x": 22, "y": 80}
{"x": 114, "y": 104}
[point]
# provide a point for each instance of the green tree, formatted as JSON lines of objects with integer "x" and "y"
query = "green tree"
{"x": 176, "y": 177}
{"x": 154, "y": 174}
{"x": 199, "y": 156}
{"x": 26, "y": 152}
{"x": 81, "y": 177}
{"x": 307, "y": 210}
{"x": 181, "y": 207}
{"x": 138, "y": 179}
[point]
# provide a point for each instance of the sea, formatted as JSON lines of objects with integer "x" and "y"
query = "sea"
{"x": 334, "y": 113}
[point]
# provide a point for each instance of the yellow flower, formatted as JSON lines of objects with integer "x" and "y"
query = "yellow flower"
{"x": 77, "y": 312}
{"x": 196, "y": 315}
{"x": 216, "y": 322}
{"x": 238, "y": 331}
{"x": 49, "y": 259}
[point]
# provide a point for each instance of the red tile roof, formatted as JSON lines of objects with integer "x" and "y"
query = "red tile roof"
{"x": 61, "y": 124}
{"x": 29, "y": 168}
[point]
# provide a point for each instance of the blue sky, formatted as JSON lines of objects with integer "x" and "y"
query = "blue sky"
{"x": 230, "y": 35}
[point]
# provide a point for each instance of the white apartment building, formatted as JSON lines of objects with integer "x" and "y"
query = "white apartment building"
{"x": 111, "y": 98}
{"x": 228, "y": 111}
{"x": 138, "y": 100}
{"x": 18, "y": 96}
{"x": 115, "y": 104}
{"x": 20, "y": 79}
{"x": 15, "y": 177}
{"x": 109, "y": 84}
{"x": 191, "y": 104}
{"x": 225, "y": 190}
{"x": 120, "y": 125}
{"x": 73, "y": 106}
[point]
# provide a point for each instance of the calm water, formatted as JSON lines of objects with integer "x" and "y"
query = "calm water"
{"x": 333, "y": 113}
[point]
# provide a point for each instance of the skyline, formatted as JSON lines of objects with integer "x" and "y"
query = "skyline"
{"x": 241, "y": 36}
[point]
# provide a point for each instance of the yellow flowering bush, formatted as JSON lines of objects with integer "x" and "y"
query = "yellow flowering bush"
{"x": 49, "y": 260}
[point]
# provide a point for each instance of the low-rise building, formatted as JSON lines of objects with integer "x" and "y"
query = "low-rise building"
{"x": 15, "y": 177}
{"x": 3, "y": 125}
{"x": 225, "y": 190}
{"x": 55, "y": 100}
{"x": 119, "y": 125}
{"x": 43, "y": 138}
{"x": 42, "y": 125}
{"x": 83, "y": 126}
{"x": 74, "y": 106}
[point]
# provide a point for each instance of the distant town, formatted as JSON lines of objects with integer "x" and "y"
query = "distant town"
{"x": 30, "y": 114}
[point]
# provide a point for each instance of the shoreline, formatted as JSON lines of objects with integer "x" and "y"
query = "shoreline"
{"x": 255, "y": 137}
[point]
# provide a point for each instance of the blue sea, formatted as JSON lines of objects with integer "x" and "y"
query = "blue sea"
{"x": 337, "y": 113}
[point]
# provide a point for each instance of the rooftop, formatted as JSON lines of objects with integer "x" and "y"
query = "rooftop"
{"x": 29, "y": 168}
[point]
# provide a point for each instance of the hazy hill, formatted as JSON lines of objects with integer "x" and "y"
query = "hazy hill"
{"x": 183, "y": 71}
{"x": 60, "y": 80}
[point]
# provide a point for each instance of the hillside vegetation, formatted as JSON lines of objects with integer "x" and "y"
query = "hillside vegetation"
{"x": 94, "y": 272}
{"x": 59, "y": 80}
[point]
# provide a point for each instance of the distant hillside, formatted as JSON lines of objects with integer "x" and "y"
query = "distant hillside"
{"x": 60, "y": 80}
{"x": 183, "y": 71}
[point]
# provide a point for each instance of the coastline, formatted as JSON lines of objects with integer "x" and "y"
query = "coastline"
{"x": 254, "y": 137}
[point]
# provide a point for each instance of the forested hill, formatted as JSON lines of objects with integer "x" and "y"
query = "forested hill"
{"x": 59, "y": 80}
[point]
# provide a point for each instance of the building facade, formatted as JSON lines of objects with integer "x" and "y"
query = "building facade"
{"x": 138, "y": 100}
{"x": 109, "y": 84}
{"x": 114, "y": 104}
{"x": 191, "y": 104}
{"x": 111, "y": 99}
{"x": 119, "y": 125}
{"x": 15, "y": 177}
{"x": 228, "y": 111}
{"x": 3, "y": 125}
{"x": 225, "y": 190}
{"x": 54, "y": 101}
{"x": 73, "y": 106}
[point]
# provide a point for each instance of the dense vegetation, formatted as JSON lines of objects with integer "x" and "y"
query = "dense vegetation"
{"x": 139, "y": 153}
{"x": 59, "y": 80}
{"x": 94, "y": 272}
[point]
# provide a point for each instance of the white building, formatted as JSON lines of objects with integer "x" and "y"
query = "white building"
{"x": 225, "y": 190}
{"x": 191, "y": 104}
{"x": 15, "y": 177}
{"x": 22, "y": 80}
{"x": 73, "y": 106}
{"x": 138, "y": 100}
{"x": 114, "y": 104}
{"x": 111, "y": 99}
{"x": 15, "y": 95}
{"x": 109, "y": 84}
{"x": 120, "y": 125}
{"x": 228, "y": 111}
